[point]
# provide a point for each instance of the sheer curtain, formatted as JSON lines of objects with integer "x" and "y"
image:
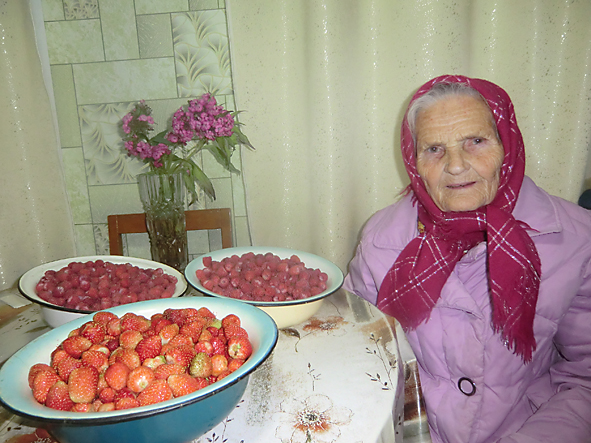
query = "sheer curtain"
{"x": 325, "y": 84}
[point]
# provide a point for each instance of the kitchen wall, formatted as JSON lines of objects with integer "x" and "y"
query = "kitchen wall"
{"x": 104, "y": 56}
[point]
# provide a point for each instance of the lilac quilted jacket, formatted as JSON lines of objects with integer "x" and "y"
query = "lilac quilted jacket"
{"x": 477, "y": 391}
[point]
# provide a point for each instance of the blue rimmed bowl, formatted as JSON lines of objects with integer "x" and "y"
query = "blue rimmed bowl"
{"x": 284, "y": 313}
{"x": 182, "y": 419}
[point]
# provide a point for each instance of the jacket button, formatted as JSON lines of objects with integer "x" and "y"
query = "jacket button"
{"x": 466, "y": 386}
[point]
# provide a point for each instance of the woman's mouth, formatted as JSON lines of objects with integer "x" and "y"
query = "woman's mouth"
{"x": 460, "y": 185}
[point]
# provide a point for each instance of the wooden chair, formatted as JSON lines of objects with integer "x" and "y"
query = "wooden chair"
{"x": 197, "y": 220}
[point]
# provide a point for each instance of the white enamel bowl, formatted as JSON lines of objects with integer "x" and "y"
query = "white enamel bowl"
{"x": 55, "y": 315}
{"x": 181, "y": 419}
{"x": 285, "y": 313}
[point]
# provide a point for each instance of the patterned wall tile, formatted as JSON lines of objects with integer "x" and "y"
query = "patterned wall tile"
{"x": 119, "y": 29}
{"x": 122, "y": 81}
{"x": 238, "y": 195}
{"x": 154, "y": 35}
{"x": 53, "y": 10}
{"x": 241, "y": 232}
{"x": 202, "y": 53}
{"x": 65, "y": 104}
{"x": 101, "y": 238}
{"x": 160, "y": 6}
{"x": 223, "y": 194}
{"x": 137, "y": 245}
{"x": 78, "y": 41}
{"x": 85, "y": 244}
{"x": 198, "y": 5}
{"x": 81, "y": 9}
{"x": 74, "y": 171}
{"x": 106, "y": 161}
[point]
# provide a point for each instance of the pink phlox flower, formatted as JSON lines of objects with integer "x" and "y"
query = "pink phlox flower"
{"x": 146, "y": 118}
{"x": 144, "y": 149}
{"x": 159, "y": 150}
{"x": 127, "y": 118}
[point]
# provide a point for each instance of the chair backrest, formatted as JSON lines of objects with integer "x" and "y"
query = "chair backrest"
{"x": 196, "y": 220}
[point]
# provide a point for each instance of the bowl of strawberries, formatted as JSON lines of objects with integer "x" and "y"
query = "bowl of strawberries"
{"x": 287, "y": 284}
{"x": 71, "y": 288}
{"x": 152, "y": 371}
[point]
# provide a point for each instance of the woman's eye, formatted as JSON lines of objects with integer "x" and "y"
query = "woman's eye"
{"x": 477, "y": 141}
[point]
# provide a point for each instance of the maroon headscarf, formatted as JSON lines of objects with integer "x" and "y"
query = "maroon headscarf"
{"x": 413, "y": 285}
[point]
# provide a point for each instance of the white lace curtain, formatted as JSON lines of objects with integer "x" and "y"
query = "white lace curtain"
{"x": 325, "y": 84}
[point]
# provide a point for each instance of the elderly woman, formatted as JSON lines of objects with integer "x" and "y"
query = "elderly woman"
{"x": 487, "y": 273}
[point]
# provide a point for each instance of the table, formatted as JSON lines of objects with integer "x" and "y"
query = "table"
{"x": 340, "y": 371}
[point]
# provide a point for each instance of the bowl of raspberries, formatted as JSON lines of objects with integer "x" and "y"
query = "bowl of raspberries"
{"x": 71, "y": 288}
{"x": 152, "y": 371}
{"x": 288, "y": 284}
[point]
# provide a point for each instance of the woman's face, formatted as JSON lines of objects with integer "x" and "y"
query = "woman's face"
{"x": 459, "y": 155}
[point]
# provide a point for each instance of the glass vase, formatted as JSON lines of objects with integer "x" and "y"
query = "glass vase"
{"x": 163, "y": 197}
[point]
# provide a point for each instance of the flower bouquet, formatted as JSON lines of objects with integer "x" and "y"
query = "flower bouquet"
{"x": 201, "y": 124}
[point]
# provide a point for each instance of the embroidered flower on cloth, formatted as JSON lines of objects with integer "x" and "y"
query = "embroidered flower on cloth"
{"x": 329, "y": 324}
{"x": 313, "y": 419}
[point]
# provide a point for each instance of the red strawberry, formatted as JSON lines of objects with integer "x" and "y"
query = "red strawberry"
{"x": 204, "y": 346}
{"x": 162, "y": 372}
{"x": 232, "y": 330}
{"x": 204, "y": 312}
{"x": 130, "y": 338}
{"x": 100, "y": 348}
{"x": 107, "y": 395}
{"x": 106, "y": 407}
{"x": 149, "y": 347}
{"x": 114, "y": 327}
{"x": 103, "y": 317}
{"x": 159, "y": 323}
{"x": 205, "y": 335}
{"x": 42, "y": 383}
{"x": 82, "y": 384}
{"x": 76, "y": 345}
{"x": 58, "y": 355}
{"x": 93, "y": 331}
{"x": 182, "y": 384}
{"x": 230, "y": 319}
{"x": 35, "y": 369}
{"x": 116, "y": 375}
{"x": 201, "y": 366}
{"x": 134, "y": 322}
{"x": 58, "y": 397}
{"x": 234, "y": 363}
{"x": 153, "y": 363}
{"x": 156, "y": 392}
{"x": 193, "y": 329}
{"x": 219, "y": 347}
{"x": 96, "y": 359}
{"x": 66, "y": 366}
{"x": 82, "y": 407}
{"x": 139, "y": 378}
{"x": 181, "y": 340}
{"x": 128, "y": 357}
{"x": 126, "y": 403}
{"x": 124, "y": 393}
{"x": 239, "y": 347}
{"x": 181, "y": 355}
{"x": 168, "y": 332}
{"x": 111, "y": 343}
{"x": 219, "y": 364}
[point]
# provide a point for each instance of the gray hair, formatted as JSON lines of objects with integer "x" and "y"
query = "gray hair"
{"x": 438, "y": 92}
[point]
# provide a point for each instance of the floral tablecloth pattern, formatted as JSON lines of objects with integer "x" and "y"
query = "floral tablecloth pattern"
{"x": 335, "y": 378}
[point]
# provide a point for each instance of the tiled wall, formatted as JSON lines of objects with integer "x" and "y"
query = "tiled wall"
{"x": 107, "y": 54}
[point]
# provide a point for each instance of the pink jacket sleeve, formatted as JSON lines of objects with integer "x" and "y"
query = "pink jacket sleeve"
{"x": 568, "y": 412}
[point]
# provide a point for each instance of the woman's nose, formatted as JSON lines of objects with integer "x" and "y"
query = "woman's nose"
{"x": 456, "y": 162}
